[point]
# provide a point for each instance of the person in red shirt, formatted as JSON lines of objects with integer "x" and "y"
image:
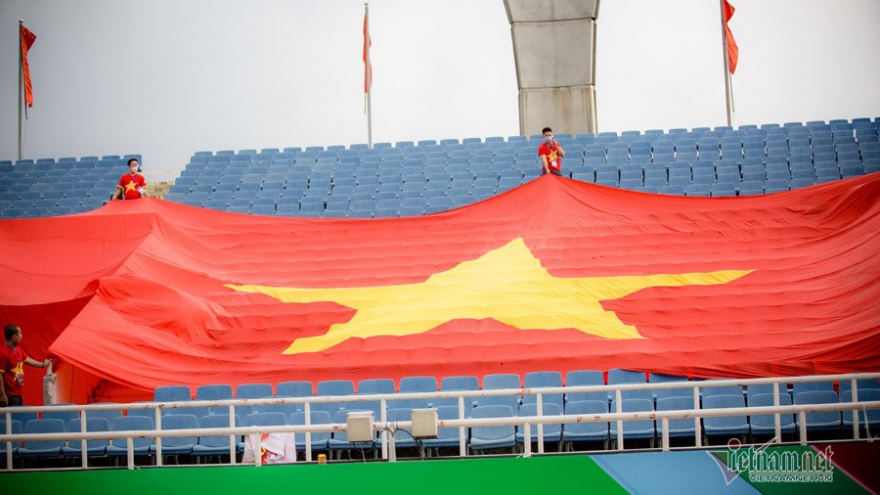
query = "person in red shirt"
{"x": 131, "y": 185}
{"x": 12, "y": 361}
{"x": 551, "y": 153}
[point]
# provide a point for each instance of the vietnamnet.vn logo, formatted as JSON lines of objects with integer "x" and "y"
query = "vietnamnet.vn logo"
{"x": 779, "y": 465}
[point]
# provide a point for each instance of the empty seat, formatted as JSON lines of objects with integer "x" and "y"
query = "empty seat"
{"x": 678, "y": 427}
{"x": 209, "y": 445}
{"x": 500, "y": 381}
{"x": 818, "y": 421}
{"x": 178, "y": 445}
{"x": 585, "y": 378}
{"x": 492, "y": 437}
{"x": 42, "y": 448}
{"x": 318, "y": 440}
{"x": 639, "y": 429}
{"x": 538, "y": 379}
{"x": 552, "y": 431}
{"x": 725, "y": 425}
{"x": 585, "y": 431}
{"x": 619, "y": 377}
{"x": 765, "y": 424}
{"x": 93, "y": 448}
{"x": 141, "y": 446}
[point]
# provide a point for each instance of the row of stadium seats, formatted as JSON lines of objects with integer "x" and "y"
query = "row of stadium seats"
{"x": 428, "y": 177}
{"x": 572, "y": 436}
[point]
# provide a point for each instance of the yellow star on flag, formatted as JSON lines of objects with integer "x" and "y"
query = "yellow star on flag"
{"x": 507, "y": 284}
{"x": 131, "y": 186}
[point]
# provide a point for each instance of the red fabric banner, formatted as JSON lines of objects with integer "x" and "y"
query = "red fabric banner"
{"x": 732, "y": 49}
{"x": 27, "y": 41}
{"x": 554, "y": 275}
{"x": 368, "y": 66}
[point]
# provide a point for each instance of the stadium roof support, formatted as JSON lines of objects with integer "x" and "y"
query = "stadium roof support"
{"x": 554, "y": 45}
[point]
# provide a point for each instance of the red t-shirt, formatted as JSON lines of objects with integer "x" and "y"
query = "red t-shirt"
{"x": 554, "y": 161}
{"x": 12, "y": 363}
{"x": 130, "y": 185}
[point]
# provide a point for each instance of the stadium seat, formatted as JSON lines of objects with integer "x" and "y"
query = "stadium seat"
{"x": 819, "y": 421}
{"x": 448, "y": 437}
{"x": 173, "y": 446}
{"x": 641, "y": 429}
{"x": 97, "y": 447}
{"x": 619, "y": 377}
{"x": 539, "y": 379}
{"x": 142, "y": 446}
{"x": 552, "y": 431}
{"x": 211, "y": 445}
{"x": 318, "y": 440}
{"x": 500, "y": 381}
{"x": 42, "y": 448}
{"x": 585, "y": 431}
{"x": 726, "y": 426}
{"x": 492, "y": 437}
{"x": 680, "y": 427}
{"x": 332, "y": 388}
{"x": 764, "y": 424}
{"x": 219, "y": 391}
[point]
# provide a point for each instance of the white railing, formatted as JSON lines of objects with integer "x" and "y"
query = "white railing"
{"x": 384, "y": 427}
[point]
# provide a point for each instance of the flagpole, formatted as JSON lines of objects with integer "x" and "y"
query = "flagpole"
{"x": 20, "y": 85}
{"x": 728, "y": 92}
{"x": 368, "y": 75}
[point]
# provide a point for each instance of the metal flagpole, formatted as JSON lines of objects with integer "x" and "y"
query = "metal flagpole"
{"x": 20, "y": 84}
{"x": 368, "y": 74}
{"x": 727, "y": 83}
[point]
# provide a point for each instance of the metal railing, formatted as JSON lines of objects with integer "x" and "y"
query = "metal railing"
{"x": 385, "y": 429}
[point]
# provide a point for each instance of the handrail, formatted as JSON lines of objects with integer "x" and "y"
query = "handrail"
{"x": 381, "y": 425}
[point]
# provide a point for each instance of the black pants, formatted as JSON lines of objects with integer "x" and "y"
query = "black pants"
{"x": 15, "y": 400}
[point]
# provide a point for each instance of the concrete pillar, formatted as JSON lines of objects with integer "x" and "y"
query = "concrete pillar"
{"x": 554, "y": 45}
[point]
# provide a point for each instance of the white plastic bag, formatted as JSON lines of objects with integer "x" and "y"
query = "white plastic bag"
{"x": 275, "y": 448}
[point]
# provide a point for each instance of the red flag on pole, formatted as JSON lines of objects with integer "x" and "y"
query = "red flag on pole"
{"x": 368, "y": 67}
{"x": 27, "y": 40}
{"x": 732, "y": 49}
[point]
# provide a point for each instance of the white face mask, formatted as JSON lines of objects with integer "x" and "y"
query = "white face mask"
{"x": 548, "y": 138}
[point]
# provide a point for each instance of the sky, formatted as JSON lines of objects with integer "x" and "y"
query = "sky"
{"x": 167, "y": 78}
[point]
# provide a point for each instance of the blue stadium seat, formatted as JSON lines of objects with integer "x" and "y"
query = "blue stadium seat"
{"x": 142, "y": 446}
{"x": 42, "y": 448}
{"x": 764, "y": 424}
{"x": 178, "y": 445}
{"x": 318, "y": 440}
{"x": 681, "y": 427}
{"x": 585, "y": 431}
{"x": 819, "y": 421}
{"x": 552, "y": 431}
{"x": 492, "y": 437}
{"x": 210, "y": 445}
{"x": 538, "y": 379}
{"x": 726, "y": 426}
{"x": 641, "y": 429}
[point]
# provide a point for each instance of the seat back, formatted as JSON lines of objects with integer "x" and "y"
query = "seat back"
{"x": 132, "y": 423}
{"x": 319, "y": 439}
{"x": 39, "y": 426}
{"x": 491, "y": 436}
{"x": 220, "y": 391}
{"x": 172, "y": 393}
{"x": 92, "y": 425}
{"x": 725, "y": 425}
{"x": 294, "y": 389}
{"x": 587, "y": 430}
{"x": 216, "y": 421}
{"x": 500, "y": 381}
{"x": 538, "y": 379}
{"x": 765, "y": 423}
{"x": 179, "y": 422}
{"x": 583, "y": 378}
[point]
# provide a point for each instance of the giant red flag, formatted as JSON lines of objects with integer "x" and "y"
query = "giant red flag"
{"x": 554, "y": 275}
{"x": 27, "y": 41}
